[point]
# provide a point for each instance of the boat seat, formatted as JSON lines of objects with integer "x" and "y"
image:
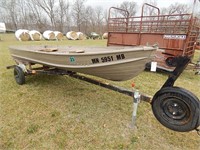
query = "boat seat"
{"x": 77, "y": 51}
{"x": 49, "y": 49}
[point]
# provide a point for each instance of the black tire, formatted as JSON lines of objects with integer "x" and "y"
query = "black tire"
{"x": 171, "y": 62}
{"x": 177, "y": 109}
{"x": 19, "y": 75}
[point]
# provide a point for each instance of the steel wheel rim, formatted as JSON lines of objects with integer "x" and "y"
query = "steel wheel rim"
{"x": 175, "y": 111}
{"x": 16, "y": 74}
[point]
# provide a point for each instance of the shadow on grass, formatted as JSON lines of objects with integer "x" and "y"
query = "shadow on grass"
{"x": 61, "y": 84}
{"x": 42, "y": 79}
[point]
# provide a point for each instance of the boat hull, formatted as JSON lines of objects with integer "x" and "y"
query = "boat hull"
{"x": 112, "y": 63}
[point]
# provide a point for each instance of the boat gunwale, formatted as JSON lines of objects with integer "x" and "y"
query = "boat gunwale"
{"x": 111, "y": 51}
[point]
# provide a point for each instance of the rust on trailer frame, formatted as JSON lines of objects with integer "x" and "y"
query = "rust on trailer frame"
{"x": 175, "y": 35}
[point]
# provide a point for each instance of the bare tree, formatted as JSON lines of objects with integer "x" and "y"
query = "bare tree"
{"x": 105, "y": 15}
{"x": 10, "y": 7}
{"x": 150, "y": 11}
{"x": 89, "y": 20}
{"x": 99, "y": 19}
{"x": 48, "y": 6}
{"x": 23, "y": 19}
{"x": 130, "y": 7}
{"x": 38, "y": 20}
{"x": 62, "y": 15}
{"x": 104, "y": 25}
{"x": 58, "y": 15}
{"x": 78, "y": 10}
{"x": 176, "y": 8}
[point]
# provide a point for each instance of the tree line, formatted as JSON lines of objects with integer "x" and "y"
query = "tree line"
{"x": 64, "y": 16}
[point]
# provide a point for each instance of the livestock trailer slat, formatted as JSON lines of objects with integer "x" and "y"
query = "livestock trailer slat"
{"x": 175, "y": 34}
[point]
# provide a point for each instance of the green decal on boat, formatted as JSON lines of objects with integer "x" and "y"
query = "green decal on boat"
{"x": 72, "y": 59}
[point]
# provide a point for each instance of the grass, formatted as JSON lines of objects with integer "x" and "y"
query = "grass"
{"x": 59, "y": 112}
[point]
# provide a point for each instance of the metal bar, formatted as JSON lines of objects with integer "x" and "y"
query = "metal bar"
{"x": 141, "y": 21}
{"x": 50, "y": 71}
{"x": 10, "y": 67}
{"x": 182, "y": 63}
{"x": 111, "y": 87}
{"x": 136, "y": 100}
{"x": 55, "y": 71}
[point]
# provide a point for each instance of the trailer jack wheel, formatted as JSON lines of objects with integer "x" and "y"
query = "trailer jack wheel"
{"x": 19, "y": 75}
{"x": 177, "y": 109}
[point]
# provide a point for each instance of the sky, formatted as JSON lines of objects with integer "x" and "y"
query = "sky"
{"x": 110, "y": 3}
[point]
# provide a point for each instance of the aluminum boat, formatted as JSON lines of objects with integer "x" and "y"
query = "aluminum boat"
{"x": 113, "y": 63}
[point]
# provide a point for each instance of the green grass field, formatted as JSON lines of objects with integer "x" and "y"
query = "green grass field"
{"x": 59, "y": 112}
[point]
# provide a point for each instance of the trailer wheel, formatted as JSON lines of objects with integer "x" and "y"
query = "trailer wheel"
{"x": 176, "y": 109}
{"x": 171, "y": 62}
{"x": 19, "y": 75}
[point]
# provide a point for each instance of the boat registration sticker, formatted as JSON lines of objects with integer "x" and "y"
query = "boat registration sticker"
{"x": 108, "y": 58}
{"x": 72, "y": 59}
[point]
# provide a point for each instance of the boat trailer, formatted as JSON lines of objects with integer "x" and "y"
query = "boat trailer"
{"x": 176, "y": 108}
